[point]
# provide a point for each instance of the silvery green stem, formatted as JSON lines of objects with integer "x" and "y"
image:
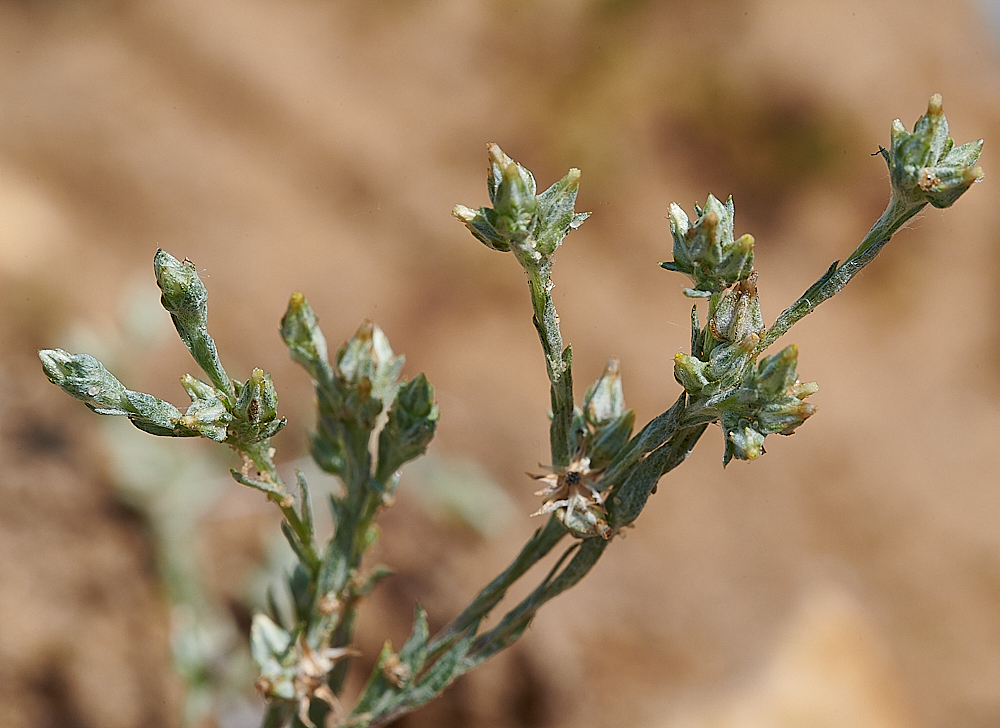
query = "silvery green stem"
{"x": 925, "y": 167}
{"x": 512, "y": 626}
{"x": 532, "y": 226}
{"x": 558, "y": 363}
{"x": 830, "y": 284}
{"x": 539, "y": 546}
{"x": 456, "y": 650}
{"x": 301, "y": 535}
{"x": 895, "y": 216}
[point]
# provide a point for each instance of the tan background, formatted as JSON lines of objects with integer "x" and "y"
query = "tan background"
{"x": 849, "y": 578}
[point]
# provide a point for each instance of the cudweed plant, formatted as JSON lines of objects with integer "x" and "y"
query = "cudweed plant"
{"x": 371, "y": 423}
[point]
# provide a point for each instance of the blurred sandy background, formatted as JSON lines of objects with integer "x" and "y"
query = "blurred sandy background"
{"x": 849, "y": 578}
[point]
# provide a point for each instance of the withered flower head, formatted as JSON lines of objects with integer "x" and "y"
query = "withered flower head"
{"x": 300, "y": 672}
{"x": 572, "y": 494}
{"x": 310, "y": 676}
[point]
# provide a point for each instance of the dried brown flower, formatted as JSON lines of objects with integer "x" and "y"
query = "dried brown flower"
{"x": 572, "y": 493}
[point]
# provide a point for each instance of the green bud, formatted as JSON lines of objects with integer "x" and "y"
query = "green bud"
{"x": 352, "y": 399}
{"x": 728, "y": 363}
{"x": 368, "y": 356}
{"x": 738, "y": 315}
{"x": 924, "y": 165}
{"x": 556, "y": 215}
{"x": 778, "y": 393}
{"x": 271, "y": 648}
{"x": 585, "y": 520}
{"x": 605, "y": 424}
{"x": 776, "y": 373}
{"x": 409, "y": 429}
{"x": 208, "y": 417}
{"x": 784, "y": 415}
{"x": 801, "y": 390}
{"x": 197, "y": 389}
{"x": 306, "y": 343}
{"x": 706, "y": 251}
{"x": 185, "y": 298}
{"x": 268, "y": 640}
{"x": 743, "y": 442}
{"x": 690, "y": 373}
{"x": 502, "y": 168}
{"x": 255, "y": 415}
{"x": 258, "y": 400}
{"x": 605, "y": 398}
{"x": 415, "y": 401}
{"x": 482, "y": 225}
{"x": 85, "y": 378}
{"x": 513, "y": 197}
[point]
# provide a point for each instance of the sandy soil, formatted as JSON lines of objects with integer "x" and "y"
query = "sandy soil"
{"x": 849, "y": 578}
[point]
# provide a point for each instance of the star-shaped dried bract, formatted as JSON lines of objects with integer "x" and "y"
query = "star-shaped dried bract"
{"x": 572, "y": 493}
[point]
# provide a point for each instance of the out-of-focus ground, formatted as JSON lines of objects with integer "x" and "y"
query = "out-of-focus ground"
{"x": 851, "y": 577}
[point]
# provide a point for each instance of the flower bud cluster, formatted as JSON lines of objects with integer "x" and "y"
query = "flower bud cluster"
{"x": 724, "y": 351}
{"x": 925, "y": 166}
{"x": 253, "y": 419}
{"x": 531, "y": 225}
{"x": 770, "y": 401}
{"x": 362, "y": 380}
{"x": 354, "y": 394}
{"x": 719, "y": 375}
{"x": 706, "y": 250}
